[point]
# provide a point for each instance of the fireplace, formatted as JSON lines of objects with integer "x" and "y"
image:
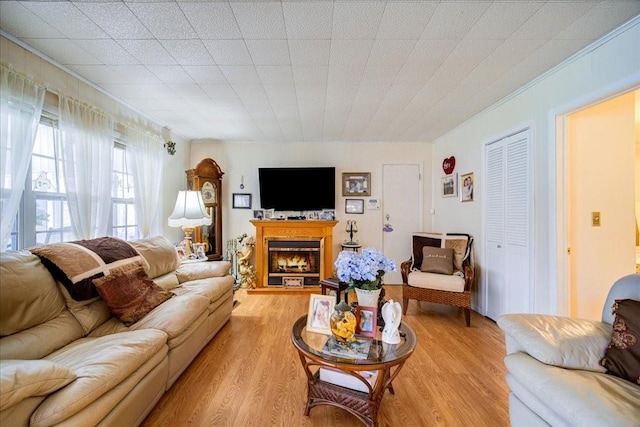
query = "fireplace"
{"x": 294, "y": 262}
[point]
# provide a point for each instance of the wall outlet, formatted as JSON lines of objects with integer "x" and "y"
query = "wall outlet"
{"x": 595, "y": 219}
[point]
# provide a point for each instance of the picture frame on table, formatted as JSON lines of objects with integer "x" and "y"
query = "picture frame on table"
{"x": 241, "y": 201}
{"x": 449, "y": 185}
{"x": 356, "y": 183}
{"x": 354, "y": 206}
{"x": 366, "y": 321}
{"x": 467, "y": 183}
{"x": 199, "y": 251}
{"x": 258, "y": 214}
{"x": 320, "y": 310}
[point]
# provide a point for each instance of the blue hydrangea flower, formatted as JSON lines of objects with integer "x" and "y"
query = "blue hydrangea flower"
{"x": 363, "y": 270}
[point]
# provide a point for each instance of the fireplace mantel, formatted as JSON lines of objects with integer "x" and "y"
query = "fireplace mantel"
{"x": 291, "y": 229}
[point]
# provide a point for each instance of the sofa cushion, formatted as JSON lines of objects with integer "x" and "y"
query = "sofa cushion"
{"x": 29, "y": 293}
{"x": 581, "y": 398}
{"x": 622, "y": 356}
{"x": 202, "y": 270}
{"x": 21, "y": 379}
{"x": 159, "y": 254}
{"x": 437, "y": 260}
{"x": 560, "y": 341}
{"x": 212, "y": 288}
{"x": 100, "y": 365}
{"x": 130, "y": 294}
{"x": 77, "y": 263}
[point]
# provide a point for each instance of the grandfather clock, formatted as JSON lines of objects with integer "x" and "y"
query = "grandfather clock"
{"x": 206, "y": 177}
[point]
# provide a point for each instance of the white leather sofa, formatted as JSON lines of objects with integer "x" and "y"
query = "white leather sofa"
{"x": 554, "y": 371}
{"x": 70, "y": 363}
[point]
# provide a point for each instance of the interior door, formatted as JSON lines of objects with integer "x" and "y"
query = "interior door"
{"x": 401, "y": 212}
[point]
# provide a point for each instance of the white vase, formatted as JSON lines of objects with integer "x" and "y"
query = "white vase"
{"x": 368, "y": 298}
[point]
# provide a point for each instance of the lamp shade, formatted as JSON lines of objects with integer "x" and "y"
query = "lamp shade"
{"x": 189, "y": 210}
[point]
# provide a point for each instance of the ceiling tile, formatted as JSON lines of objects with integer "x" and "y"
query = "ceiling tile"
{"x": 260, "y": 20}
{"x": 269, "y": 52}
{"x": 405, "y": 20}
{"x": 250, "y": 91}
{"x": 356, "y": 20}
{"x": 140, "y": 91}
{"x": 310, "y": 74}
{"x": 286, "y": 93}
{"x": 312, "y": 20}
{"x": 98, "y": 73}
{"x": 501, "y": 19}
{"x": 188, "y": 52}
{"x": 107, "y": 51}
{"x": 188, "y": 91}
{"x": 380, "y": 74}
{"x": 551, "y": 18}
{"x": 64, "y": 51}
{"x": 345, "y": 74}
{"x": 240, "y": 74}
{"x": 452, "y": 20}
{"x": 275, "y": 74}
{"x": 61, "y": 14}
{"x": 164, "y": 20}
{"x": 219, "y": 91}
{"x": 228, "y": 52}
{"x": 390, "y": 52}
{"x": 148, "y": 51}
{"x": 350, "y": 52}
{"x": 135, "y": 74}
{"x": 21, "y": 22}
{"x": 173, "y": 74}
{"x": 311, "y": 93}
{"x": 212, "y": 20}
{"x": 205, "y": 74}
{"x": 116, "y": 19}
{"x": 309, "y": 52}
{"x": 603, "y": 15}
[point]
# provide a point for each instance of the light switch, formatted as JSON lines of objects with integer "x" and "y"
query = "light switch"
{"x": 595, "y": 219}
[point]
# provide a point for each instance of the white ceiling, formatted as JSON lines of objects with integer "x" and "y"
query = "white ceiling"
{"x": 311, "y": 70}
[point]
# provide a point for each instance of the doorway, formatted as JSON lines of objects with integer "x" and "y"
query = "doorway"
{"x": 597, "y": 182}
{"x": 401, "y": 212}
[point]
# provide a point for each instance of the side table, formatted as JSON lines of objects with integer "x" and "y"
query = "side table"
{"x": 333, "y": 284}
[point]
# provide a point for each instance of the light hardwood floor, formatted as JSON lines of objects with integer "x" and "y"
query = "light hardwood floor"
{"x": 250, "y": 373}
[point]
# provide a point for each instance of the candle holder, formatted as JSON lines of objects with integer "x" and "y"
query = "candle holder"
{"x": 351, "y": 228}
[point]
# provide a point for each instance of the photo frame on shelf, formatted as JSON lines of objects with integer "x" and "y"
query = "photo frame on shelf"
{"x": 320, "y": 309}
{"x": 354, "y": 206}
{"x": 466, "y": 187}
{"x": 449, "y": 185}
{"x": 356, "y": 183}
{"x": 328, "y": 214}
{"x": 366, "y": 321}
{"x": 241, "y": 201}
{"x": 268, "y": 213}
{"x": 258, "y": 214}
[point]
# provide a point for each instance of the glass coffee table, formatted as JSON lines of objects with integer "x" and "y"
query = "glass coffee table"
{"x": 354, "y": 382}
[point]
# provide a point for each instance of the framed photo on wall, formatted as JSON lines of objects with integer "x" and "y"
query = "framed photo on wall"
{"x": 241, "y": 201}
{"x": 466, "y": 187}
{"x": 354, "y": 206}
{"x": 356, "y": 183}
{"x": 449, "y": 185}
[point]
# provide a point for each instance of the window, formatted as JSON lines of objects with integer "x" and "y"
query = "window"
{"x": 44, "y": 215}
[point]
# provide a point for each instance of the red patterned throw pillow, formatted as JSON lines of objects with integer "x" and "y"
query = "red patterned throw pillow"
{"x": 622, "y": 356}
{"x": 129, "y": 293}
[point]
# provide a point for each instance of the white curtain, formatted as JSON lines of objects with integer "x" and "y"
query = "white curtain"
{"x": 144, "y": 158}
{"x": 86, "y": 137}
{"x": 20, "y": 109}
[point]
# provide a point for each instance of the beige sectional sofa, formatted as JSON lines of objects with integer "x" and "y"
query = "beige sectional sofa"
{"x": 68, "y": 362}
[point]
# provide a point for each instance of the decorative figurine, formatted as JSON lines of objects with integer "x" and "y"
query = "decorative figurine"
{"x": 392, "y": 314}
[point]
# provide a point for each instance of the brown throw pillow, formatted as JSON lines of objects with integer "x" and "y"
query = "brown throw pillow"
{"x": 129, "y": 293}
{"x": 622, "y": 356}
{"x": 437, "y": 260}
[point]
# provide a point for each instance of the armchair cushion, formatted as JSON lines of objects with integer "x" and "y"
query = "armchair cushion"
{"x": 622, "y": 356}
{"x": 440, "y": 282}
{"x": 437, "y": 260}
{"x": 460, "y": 243}
{"x": 559, "y": 341}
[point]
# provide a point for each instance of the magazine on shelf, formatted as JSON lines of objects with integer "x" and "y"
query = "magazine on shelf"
{"x": 344, "y": 379}
{"x": 358, "y": 349}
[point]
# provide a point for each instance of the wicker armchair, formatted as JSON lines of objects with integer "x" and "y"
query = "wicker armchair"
{"x": 422, "y": 284}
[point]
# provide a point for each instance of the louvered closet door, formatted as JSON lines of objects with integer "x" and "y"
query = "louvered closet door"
{"x": 508, "y": 226}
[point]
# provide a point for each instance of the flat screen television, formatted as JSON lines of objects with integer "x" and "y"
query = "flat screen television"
{"x": 297, "y": 189}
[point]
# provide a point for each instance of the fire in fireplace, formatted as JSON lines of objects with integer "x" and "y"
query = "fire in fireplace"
{"x": 294, "y": 258}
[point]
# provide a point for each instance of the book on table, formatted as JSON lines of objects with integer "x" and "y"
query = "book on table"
{"x": 343, "y": 379}
{"x": 358, "y": 349}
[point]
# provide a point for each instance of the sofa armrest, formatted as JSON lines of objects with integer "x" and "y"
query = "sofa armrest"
{"x": 22, "y": 379}
{"x": 202, "y": 270}
{"x": 559, "y": 341}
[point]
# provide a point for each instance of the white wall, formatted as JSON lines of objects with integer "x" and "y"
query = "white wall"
{"x": 244, "y": 159}
{"x": 609, "y": 66}
{"x": 56, "y": 79}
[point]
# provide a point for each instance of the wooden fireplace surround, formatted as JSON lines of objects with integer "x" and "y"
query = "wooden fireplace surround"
{"x": 291, "y": 229}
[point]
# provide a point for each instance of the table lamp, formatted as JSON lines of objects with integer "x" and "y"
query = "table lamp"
{"x": 189, "y": 213}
